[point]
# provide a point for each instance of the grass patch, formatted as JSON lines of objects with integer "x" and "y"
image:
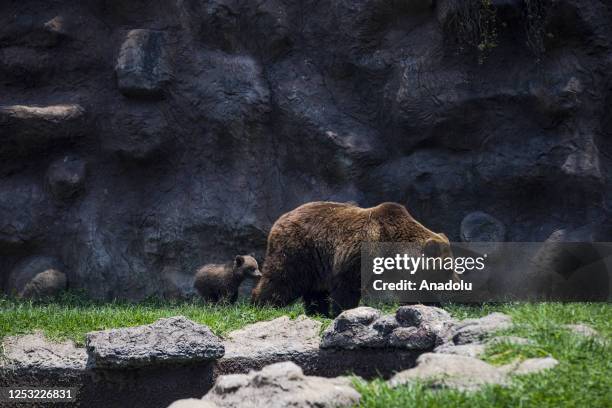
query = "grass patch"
{"x": 71, "y": 316}
{"x": 583, "y": 377}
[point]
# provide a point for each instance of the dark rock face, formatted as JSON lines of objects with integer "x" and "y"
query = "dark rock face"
{"x": 142, "y": 66}
{"x": 202, "y": 121}
{"x": 481, "y": 227}
{"x": 66, "y": 177}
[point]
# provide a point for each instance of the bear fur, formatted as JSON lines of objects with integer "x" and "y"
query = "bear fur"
{"x": 314, "y": 252}
{"x": 218, "y": 282}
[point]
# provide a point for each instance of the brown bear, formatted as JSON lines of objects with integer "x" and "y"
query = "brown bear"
{"x": 314, "y": 252}
{"x": 217, "y": 282}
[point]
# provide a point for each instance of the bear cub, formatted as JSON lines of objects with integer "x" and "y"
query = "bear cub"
{"x": 217, "y": 282}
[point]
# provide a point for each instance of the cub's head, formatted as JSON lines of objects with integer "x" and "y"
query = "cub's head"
{"x": 246, "y": 266}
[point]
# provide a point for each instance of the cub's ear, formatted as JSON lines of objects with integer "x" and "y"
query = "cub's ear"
{"x": 239, "y": 260}
{"x": 432, "y": 248}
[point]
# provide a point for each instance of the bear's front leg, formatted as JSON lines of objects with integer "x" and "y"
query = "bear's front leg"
{"x": 316, "y": 303}
{"x": 345, "y": 295}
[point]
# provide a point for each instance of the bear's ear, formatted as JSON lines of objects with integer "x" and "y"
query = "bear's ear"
{"x": 239, "y": 260}
{"x": 432, "y": 248}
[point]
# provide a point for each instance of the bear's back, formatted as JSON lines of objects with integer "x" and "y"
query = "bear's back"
{"x": 320, "y": 220}
{"x": 213, "y": 279}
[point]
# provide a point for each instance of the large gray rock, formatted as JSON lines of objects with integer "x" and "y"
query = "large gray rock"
{"x": 478, "y": 349}
{"x": 531, "y": 365}
{"x": 477, "y": 330}
{"x": 167, "y": 341}
{"x": 35, "y": 352}
{"x": 142, "y": 66}
{"x": 451, "y": 370}
{"x": 466, "y": 372}
{"x": 281, "y": 339}
{"x": 299, "y": 341}
{"x": 412, "y": 328}
{"x": 37, "y": 275}
{"x": 466, "y": 350}
{"x": 435, "y": 320}
{"x": 354, "y": 329}
{"x": 582, "y": 329}
{"x": 45, "y": 284}
{"x": 281, "y": 385}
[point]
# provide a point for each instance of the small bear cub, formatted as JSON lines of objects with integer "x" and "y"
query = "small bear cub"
{"x": 217, "y": 282}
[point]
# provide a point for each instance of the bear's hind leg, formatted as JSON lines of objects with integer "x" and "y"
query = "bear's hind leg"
{"x": 316, "y": 303}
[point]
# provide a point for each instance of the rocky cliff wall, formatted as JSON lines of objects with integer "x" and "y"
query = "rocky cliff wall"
{"x": 140, "y": 139}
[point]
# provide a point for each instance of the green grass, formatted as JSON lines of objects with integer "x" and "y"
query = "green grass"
{"x": 72, "y": 316}
{"x": 583, "y": 377}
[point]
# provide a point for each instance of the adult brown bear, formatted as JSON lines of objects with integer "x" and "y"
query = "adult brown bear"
{"x": 314, "y": 252}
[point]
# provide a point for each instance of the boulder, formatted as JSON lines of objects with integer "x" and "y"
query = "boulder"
{"x": 354, "y": 329}
{"x": 281, "y": 385}
{"x": 411, "y": 328}
{"x": 281, "y": 339}
{"x": 581, "y": 329}
{"x": 167, "y": 341}
{"x": 37, "y": 274}
{"x": 451, "y": 370}
{"x": 433, "y": 319}
{"x": 466, "y": 350}
{"x": 33, "y": 352}
{"x": 531, "y": 365}
{"x": 142, "y": 67}
{"x": 465, "y": 372}
{"x": 478, "y": 349}
{"x": 66, "y": 177}
{"x": 356, "y": 317}
{"x": 45, "y": 284}
{"x": 477, "y": 330}
{"x": 299, "y": 341}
